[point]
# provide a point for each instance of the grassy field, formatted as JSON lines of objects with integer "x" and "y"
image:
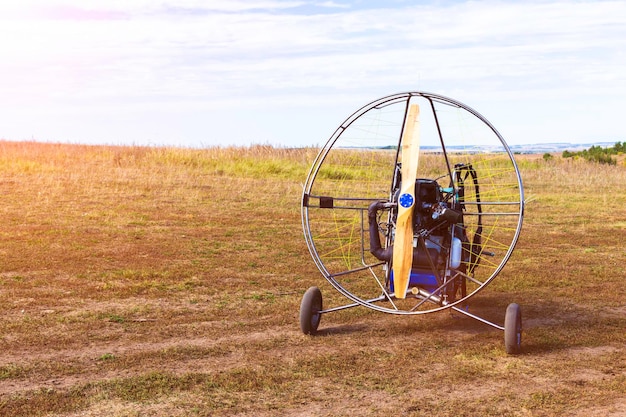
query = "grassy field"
{"x": 167, "y": 282}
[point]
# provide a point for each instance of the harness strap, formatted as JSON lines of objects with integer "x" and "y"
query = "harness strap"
{"x": 476, "y": 244}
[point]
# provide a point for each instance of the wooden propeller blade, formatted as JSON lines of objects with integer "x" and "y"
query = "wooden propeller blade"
{"x": 403, "y": 244}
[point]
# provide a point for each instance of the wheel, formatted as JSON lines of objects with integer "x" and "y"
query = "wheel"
{"x": 513, "y": 329}
{"x": 310, "y": 310}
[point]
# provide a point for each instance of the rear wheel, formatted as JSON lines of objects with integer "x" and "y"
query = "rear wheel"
{"x": 310, "y": 310}
{"x": 513, "y": 329}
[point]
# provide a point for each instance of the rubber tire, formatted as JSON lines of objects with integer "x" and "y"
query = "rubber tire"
{"x": 513, "y": 329}
{"x": 309, "y": 310}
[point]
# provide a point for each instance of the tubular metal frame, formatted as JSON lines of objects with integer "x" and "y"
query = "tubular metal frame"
{"x": 423, "y": 294}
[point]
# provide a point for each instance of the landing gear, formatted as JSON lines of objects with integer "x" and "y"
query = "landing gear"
{"x": 513, "y": 329}
{"x": 310, "y": 309}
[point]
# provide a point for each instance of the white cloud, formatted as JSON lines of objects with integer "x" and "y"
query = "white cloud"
{"x": 146, "y": 55}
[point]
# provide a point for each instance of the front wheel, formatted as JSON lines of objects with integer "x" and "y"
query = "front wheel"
{"x": 513, "y": 329}
{"x": 310, "y": 308}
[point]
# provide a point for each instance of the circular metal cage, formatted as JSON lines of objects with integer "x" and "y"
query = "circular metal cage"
{"x": 468, "y": 213}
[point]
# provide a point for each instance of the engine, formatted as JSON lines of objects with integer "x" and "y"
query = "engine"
{"x": 431, "y": 211}
{"x": 438, "y": 233}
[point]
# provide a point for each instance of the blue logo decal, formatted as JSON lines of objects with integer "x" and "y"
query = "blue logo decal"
{"x": 406, "y": 200}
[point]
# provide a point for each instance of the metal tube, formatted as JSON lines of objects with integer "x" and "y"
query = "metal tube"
{"x": 347, "y": 306}
{"x": 480, "y": 319}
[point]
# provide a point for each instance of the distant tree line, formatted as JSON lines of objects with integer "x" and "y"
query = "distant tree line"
{"x": 599, "y": 154}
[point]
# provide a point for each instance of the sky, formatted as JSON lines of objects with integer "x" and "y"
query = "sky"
{"x": 287, "y": 73}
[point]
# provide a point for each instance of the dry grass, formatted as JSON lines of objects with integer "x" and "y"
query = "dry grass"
{"x": 167, "y": 282}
